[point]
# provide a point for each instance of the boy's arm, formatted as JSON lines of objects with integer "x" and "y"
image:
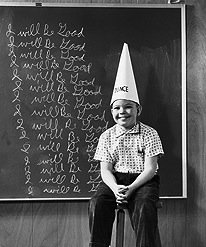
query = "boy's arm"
{"x": 109, "y": 179}
{"x": 145, "y": 176}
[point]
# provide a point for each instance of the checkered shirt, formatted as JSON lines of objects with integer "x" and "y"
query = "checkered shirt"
{"x": 127, "y": 150}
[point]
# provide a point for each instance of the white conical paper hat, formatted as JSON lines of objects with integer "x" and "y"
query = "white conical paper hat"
{"x": 125, "y": 85}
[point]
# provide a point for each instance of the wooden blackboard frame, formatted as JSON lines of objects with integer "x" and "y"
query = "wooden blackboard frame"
{"x": 183, "y": 182}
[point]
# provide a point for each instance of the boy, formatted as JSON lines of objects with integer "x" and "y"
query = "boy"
{"x": 128, "y": 154}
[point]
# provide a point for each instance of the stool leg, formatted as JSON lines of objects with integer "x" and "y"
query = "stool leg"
{"x": 120, "y": 228}
{"x": 158, "y": 238}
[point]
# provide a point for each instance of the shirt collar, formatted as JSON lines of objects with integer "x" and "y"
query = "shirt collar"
{"x": 120, "y": 131}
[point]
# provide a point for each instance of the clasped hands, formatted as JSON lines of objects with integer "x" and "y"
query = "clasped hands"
{"x": 122, "y": 194}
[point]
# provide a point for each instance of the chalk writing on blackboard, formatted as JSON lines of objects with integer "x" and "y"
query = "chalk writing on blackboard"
{"x": 57, "y": 108}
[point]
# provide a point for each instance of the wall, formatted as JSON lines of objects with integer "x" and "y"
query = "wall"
{"x": 182, "y": 221}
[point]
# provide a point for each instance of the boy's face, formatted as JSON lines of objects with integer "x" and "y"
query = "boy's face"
{"x": 125, "y": 113}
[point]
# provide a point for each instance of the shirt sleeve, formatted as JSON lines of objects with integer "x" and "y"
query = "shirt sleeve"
{"x": 153, "y": 144}
{"x": 102, "y": 151}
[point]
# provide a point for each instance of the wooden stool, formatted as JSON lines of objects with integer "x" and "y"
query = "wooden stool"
{"x": 120, "y": 225}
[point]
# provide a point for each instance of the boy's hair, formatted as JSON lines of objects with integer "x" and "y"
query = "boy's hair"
{"x": 138, "y": 105}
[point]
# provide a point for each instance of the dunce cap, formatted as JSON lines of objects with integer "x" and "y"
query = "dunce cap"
{"x": 125, "y": 85}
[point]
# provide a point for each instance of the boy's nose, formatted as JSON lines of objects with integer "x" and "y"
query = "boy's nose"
{"x": 121, "y": 109}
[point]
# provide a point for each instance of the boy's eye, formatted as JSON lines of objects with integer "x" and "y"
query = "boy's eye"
{"x": 125, "y": 107}
{"x": 128, "y": 107}
{"x": 116, "y": 108}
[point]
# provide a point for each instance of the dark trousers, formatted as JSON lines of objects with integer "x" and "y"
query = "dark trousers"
{"x": 141, "y": 207}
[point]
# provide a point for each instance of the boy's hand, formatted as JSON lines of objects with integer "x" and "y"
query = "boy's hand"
{"x": 120, "y": 194}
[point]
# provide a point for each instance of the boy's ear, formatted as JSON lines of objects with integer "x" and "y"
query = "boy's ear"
{"x": 111, "y": 108}
{"x": 139, "y": 110}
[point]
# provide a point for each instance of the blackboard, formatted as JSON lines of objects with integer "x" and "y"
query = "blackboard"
{"x": 57, "y": 71}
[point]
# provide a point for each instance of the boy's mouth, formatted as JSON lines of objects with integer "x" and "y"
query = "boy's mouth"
{"x": 123, "y": 117}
